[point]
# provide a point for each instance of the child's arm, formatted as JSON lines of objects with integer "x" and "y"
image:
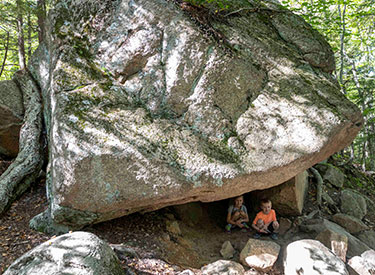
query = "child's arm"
{"x": 244, "y": 217}
{"x": 230, "y": 219}
{"x": 234, "y": 219}
{"x": 261, "y": 229}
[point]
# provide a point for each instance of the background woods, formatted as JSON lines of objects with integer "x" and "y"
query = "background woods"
{"x": 21, "y": 30}
{"x": 349, "y": 27}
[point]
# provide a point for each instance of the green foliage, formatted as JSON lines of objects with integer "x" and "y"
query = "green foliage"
{"x": 8, "y": 24}
{"x": 349, "y": 28}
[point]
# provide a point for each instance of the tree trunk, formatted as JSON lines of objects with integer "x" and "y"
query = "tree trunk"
{"x": 29, "y": 31}
{"x": 26, "y": 167}
{"x": 342, "y": 44}
{"x": 5, "y": 54}
{"x": 41, "y": 13}
{"x": 21, "y": 41}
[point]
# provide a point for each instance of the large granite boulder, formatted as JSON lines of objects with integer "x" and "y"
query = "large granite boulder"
{"x": 11, "y": 116}
{"x": 73, "y": 253}
{"x": 311, "y": 257}
{"x": 149, "y": 106}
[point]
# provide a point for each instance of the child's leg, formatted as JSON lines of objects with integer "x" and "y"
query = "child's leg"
{"x": 228, "y": 227}
{"x": 246, "y": 225}
{"x": 273, "y": 232}
{"x": 271, "y": 228}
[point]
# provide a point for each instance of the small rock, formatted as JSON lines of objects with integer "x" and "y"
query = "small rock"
{"x": 259, "y": 254}
{"x": 227, "y": 250}
{"x": 223, "y": 267}
{"x": 350, "y": 223}
{"x": 337, "y": 243}
{"x": 334, "y": 176}
{"x": 353, "y": 204}
{"x": 173, "y": 227}
{"x": 285, "y": 225}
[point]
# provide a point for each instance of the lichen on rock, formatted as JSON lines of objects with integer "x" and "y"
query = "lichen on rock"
{"x": 147, "y": 109}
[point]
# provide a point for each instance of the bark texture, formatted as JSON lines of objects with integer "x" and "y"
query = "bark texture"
{"x": 23, "y": 171}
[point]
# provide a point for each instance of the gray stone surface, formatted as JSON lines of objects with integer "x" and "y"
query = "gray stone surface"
{"x": 259, "y": 254}
{"x": 227, "y": 250}
{"x": 353, "y": 203}
{"x": 350, "y": 223}
{"x": 311, "y": 257}
{"x": 11, "y": 115}
{"x": 334, "y": 176}
{"x": 145, "y": 110}
{"x": 73, "y": 253}
{"x": 223, "y": 267}
{"x": 355, "y": 246}
{"x": 367, "y": 237}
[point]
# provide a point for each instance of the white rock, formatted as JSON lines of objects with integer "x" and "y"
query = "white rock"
{"x": 313, "y": 258}
{"x": 73, "y": 253}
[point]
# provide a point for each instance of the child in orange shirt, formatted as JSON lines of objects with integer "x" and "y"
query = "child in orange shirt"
{"x": 265, "y": 222}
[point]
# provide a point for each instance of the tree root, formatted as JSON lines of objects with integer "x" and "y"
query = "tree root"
{"x": 319, "y": 185}
{"x": 26, "y": 167}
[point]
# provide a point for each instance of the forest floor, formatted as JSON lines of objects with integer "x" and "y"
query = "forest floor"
{"x": 155, "y": 250}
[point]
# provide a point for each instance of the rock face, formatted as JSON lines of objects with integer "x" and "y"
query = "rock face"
{"x": 288, "y": 198}
{"x": 73, "y": 253}
{"x": 311, "y": 257}
{"x": 11, "y": 115}
{"x": 145, "y": 110}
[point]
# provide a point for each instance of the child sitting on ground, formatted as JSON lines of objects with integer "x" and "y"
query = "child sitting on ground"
{"x": 237, "y": 215}
{"x": 265, "y": 222}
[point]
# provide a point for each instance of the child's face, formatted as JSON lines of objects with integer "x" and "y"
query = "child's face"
{"x": 238, "y": 201}
{"x": 266, "y": 207}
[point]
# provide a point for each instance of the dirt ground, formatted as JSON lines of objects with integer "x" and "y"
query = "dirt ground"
{"x": 157, "y": 250}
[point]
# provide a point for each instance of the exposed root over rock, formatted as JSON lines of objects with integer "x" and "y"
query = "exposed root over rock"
{"x": 319, "y": 185}
{"x": 25, "y": 168}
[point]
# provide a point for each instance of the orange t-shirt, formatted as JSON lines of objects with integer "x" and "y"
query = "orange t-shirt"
{"x": 270, "y": 217}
